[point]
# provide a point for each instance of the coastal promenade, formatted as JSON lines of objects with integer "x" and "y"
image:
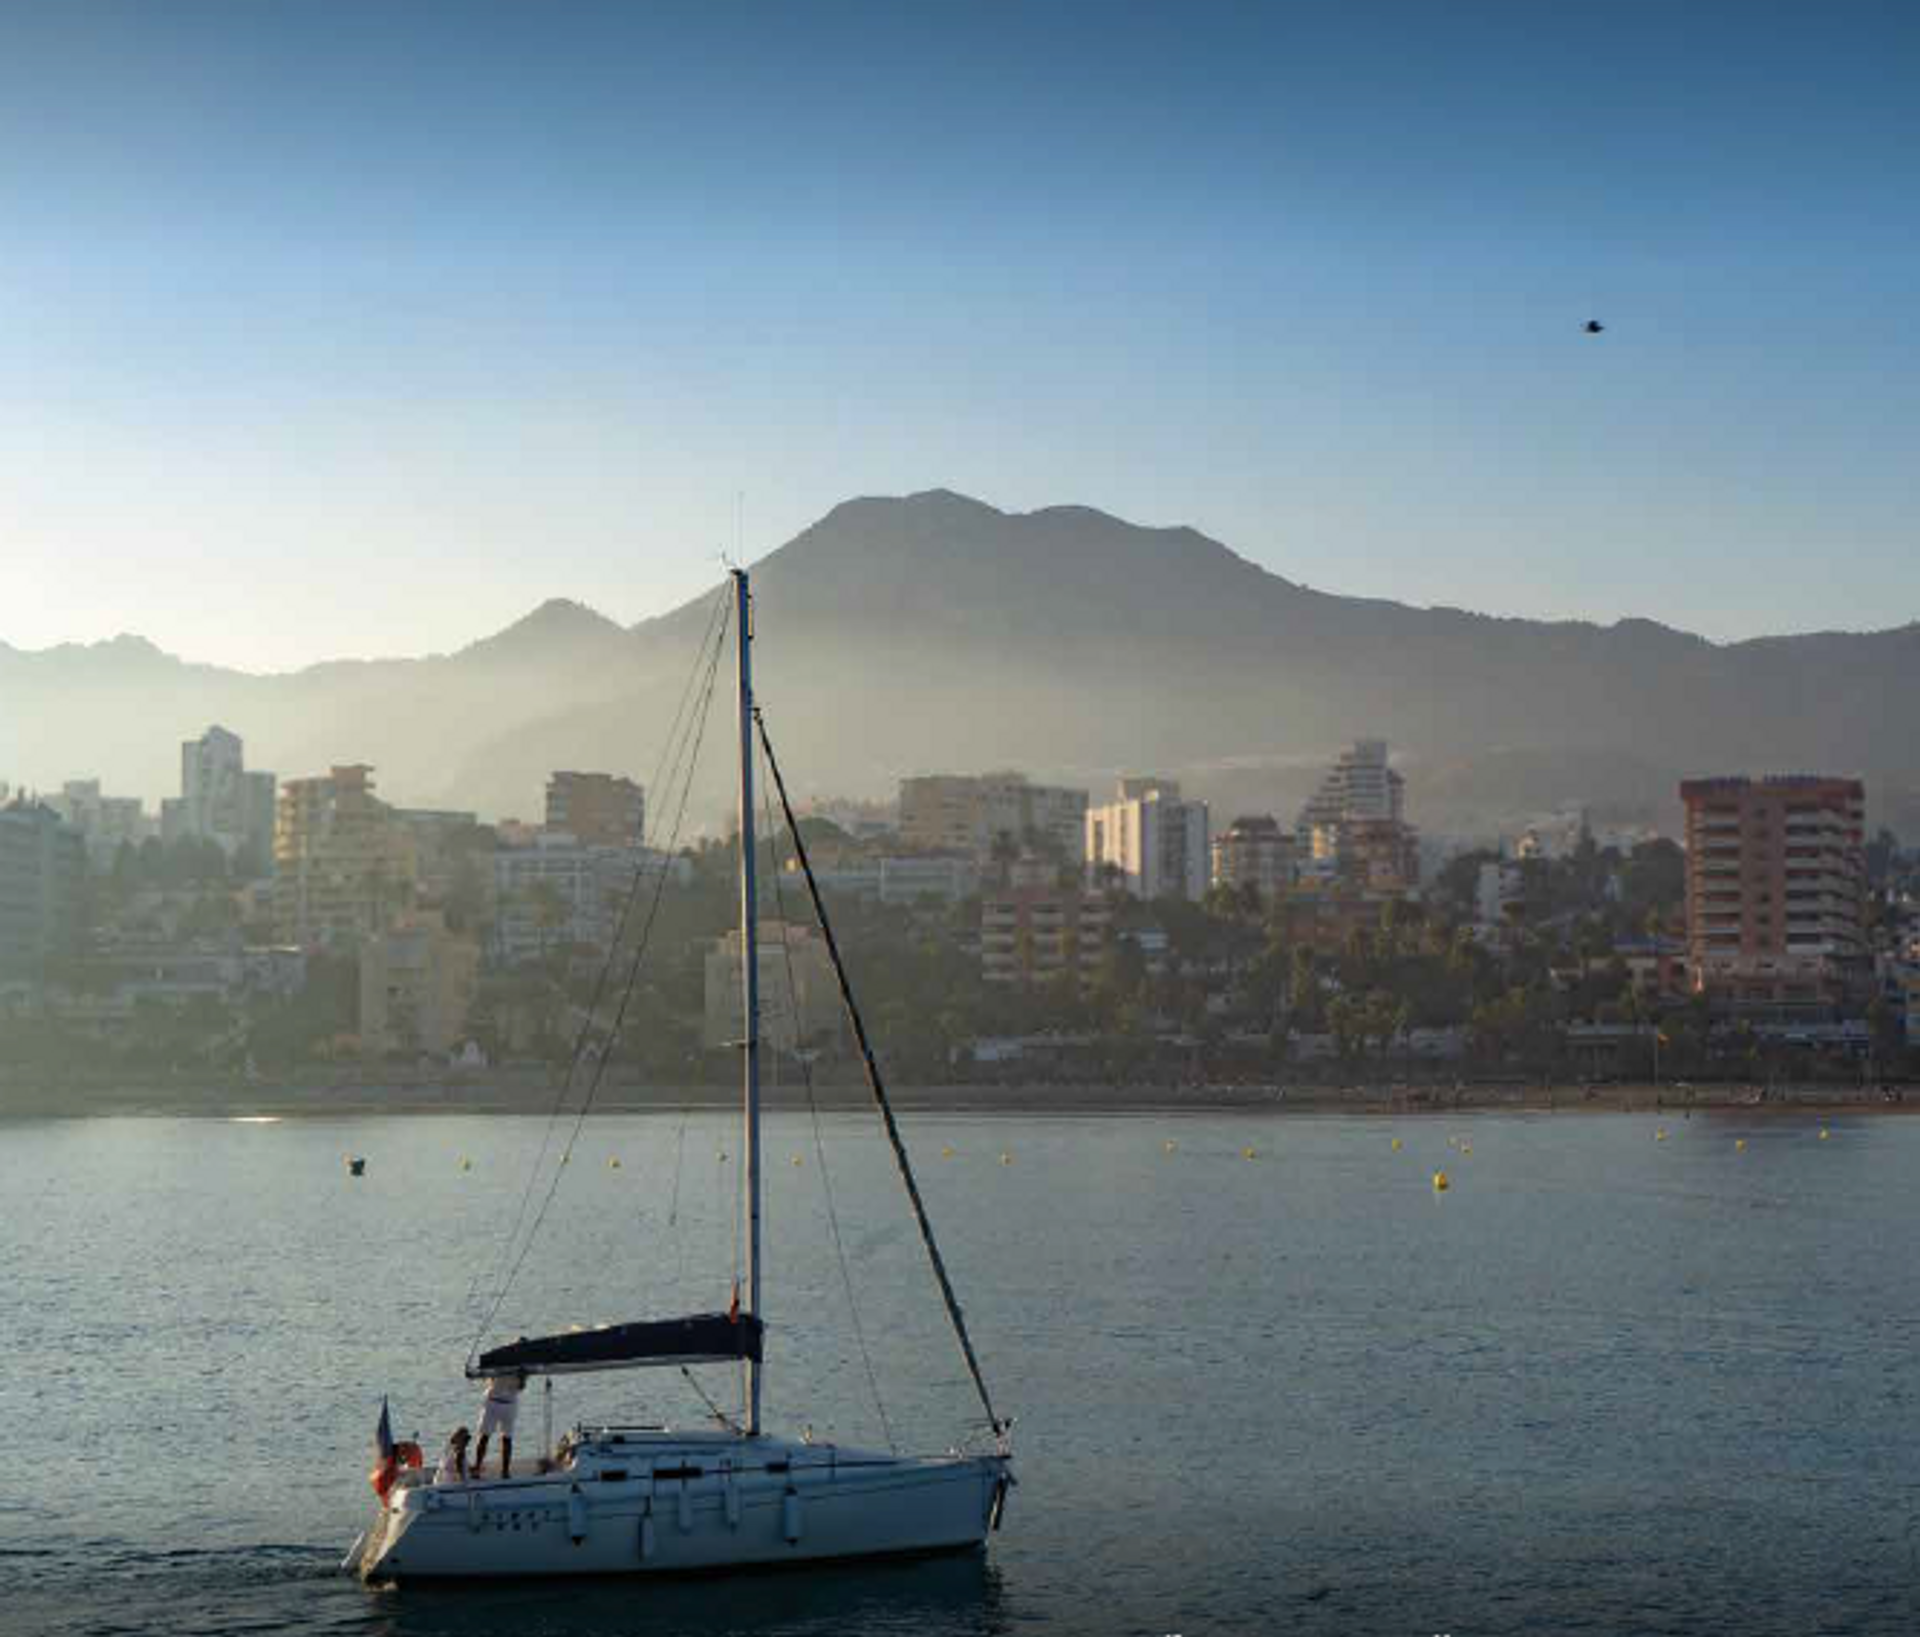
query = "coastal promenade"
{"x": 535, "y": 1089}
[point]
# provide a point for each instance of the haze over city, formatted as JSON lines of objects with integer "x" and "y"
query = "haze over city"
{"x": 346, "y": 331}
{"x": 1096, "y": 818}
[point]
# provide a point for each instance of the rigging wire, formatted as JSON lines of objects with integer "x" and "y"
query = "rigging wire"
{"x": 707, "y": 1399}
{"x": 955, "y": 1318}
{"x": 699, "y": 723}
{"x": 718, "y": 615}
{"x": 673, "y": 1203}
{"x": 619, "y": 1018}
{"x": 819, "y": 1142}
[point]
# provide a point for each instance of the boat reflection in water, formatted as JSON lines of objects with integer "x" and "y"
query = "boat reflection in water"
{"x": 958, "y": 1596}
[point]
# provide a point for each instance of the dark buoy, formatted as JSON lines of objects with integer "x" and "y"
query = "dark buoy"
{"x": 356, "y": 1166}
{"x": 1595, "y": 327}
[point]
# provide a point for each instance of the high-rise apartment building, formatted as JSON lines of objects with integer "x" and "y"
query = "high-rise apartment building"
{"x": 1149, "y": 841}
{"x": 974, "y": 813}
{"x": 554, "y": 892}
{"x": 343, "y": 861}
{"x": 1776, "y": 887}
{"x": 597, "y": 809}
{"x": 42, "y": 884}
{"x": 220, "y": 801}
{"x": 1354, "y": 827}
{"x": 1253, "y": 852}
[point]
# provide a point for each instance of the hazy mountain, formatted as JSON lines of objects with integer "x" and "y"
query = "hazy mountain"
{"x": 903, "y": 635}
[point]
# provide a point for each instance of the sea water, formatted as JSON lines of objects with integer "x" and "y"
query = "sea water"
{"x": 1266, "y": 1377}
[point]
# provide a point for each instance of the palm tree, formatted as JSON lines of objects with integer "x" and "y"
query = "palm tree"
{"x": 1303, "y": 986}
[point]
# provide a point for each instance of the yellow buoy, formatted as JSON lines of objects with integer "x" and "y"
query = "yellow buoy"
{"x": 613, "y": 1162}
{"x": 1249, "y": 1154}
{"x": 1441, "y": 1182}
{"x": 1660, "y": 1134}
{"x": 1466, "y": 1148}
{"x": 465, "y": 1163}
{"x": 796, "y": 1159}
{"x": 1823, "y": 1133}
{"x": 1006, "y": 1159}
{"x": 1739, "y": 1145}
{"x": 1170, "y": 1145}
{"x": 1396, "y": 1145}
{"x": 946, "y": 1153}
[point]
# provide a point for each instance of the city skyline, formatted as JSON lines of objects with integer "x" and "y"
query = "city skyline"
{"x": 682, "y": 683}
{"x": 479, "y": 308}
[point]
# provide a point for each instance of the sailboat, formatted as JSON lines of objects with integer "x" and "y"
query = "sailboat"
{"x": 659, "y": 1499}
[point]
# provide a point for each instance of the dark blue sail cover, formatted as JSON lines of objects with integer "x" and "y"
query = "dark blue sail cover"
{"x": 702, "y": 1338}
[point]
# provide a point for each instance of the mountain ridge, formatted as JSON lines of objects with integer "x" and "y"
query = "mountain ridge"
{"x": 910, "y": 634}
{"x": 562, "y": 616}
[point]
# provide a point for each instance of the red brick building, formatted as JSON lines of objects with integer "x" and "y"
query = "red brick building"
{"x": 1776, "y": 887}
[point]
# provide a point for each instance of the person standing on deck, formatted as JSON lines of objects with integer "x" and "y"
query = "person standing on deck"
{"x": 497, "y": 1415}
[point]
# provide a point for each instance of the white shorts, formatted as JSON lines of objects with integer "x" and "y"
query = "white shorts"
{"x": 497, "y": 1417}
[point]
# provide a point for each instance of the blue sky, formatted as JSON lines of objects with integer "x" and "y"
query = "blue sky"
{"x": 352, "y": 328}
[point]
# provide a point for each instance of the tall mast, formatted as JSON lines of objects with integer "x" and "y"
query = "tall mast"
{"x": 749, "y": 977}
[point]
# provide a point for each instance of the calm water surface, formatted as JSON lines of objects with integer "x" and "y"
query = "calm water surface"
{"x": 1604, "y": 1384}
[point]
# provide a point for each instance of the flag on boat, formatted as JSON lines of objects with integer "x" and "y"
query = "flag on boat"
{"x": 386, "y": 1465}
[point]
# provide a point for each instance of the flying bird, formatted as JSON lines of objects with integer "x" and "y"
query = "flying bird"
{"x": 1594, "y": 326}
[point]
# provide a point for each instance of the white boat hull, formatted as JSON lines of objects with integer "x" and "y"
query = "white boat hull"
{"x": 663, "y": 1504}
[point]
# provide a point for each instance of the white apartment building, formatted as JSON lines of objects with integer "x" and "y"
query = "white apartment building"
{"x": 1148, "y": 841}
{"x": 1355, "y": 823}
{"x": 1359, "y": 786}
{"x": 220, "y": 801}
{"x": 555, "y": 891}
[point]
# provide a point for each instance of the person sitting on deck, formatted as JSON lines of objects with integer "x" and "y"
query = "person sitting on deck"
{"x": 560, "y": 1459}
{"x": 453, "y": 1464}
{"x": 497, "y": 1415}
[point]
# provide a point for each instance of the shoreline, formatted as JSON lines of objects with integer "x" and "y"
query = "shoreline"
{"x": 515, "y": 1092}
